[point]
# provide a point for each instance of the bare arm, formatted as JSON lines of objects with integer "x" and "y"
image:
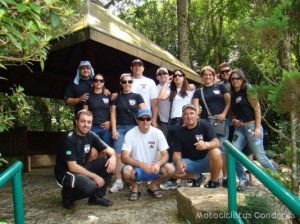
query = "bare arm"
{"x": 227, "y": 100}
{"x": 163, "y": 95}
{"x": 73, "y": 101}
{"x": 195, "y": 102}
{"x": 154, "y": 107}
{"x": 257, "y": 111}
{"x": 113, "y": 121}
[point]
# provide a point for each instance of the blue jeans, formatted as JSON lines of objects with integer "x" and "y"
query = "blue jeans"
{"x": 105, "y": 135}
{"x": 122, "y": 130}
{"x": 241, "y": 136}
{"x": 196, "y": 166}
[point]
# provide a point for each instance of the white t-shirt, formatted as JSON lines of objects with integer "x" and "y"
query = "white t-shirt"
{"x": 179, "y": 102}
{"x": 143, "y": 147}
{"x": 147, "y": 88}
{"x": 163, "y": 105}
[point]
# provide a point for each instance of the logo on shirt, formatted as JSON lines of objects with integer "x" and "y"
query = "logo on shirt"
{"x": 105, "y": 100}
{"x": 68, "y": 152}
{"x": 238, "y": 99}
{"x": 151, "y": 144}
{"x": 132, "y": 102}
{"x": 143, "y": 86}
{"x": 87, "y": 148}
{"x": 216, "y": 91}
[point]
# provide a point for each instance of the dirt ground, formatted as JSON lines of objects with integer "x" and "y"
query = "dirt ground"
{"x": 42, "y": 204}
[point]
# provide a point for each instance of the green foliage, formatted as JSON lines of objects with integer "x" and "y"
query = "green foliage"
{"x": 27, "y": 27}
{"x": 11, "y": 106}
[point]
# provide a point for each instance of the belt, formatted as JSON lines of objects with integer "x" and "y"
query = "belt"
{"x": 176, "y": 119}
{"x": 248, "y": 122}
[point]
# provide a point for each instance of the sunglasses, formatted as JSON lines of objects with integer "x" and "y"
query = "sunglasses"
{"x": 144, "y": 118}
{"x": 177, "y": 75}
{"x": 235, "y": 78}
{"x": 161, "y": 74}
{"x": 126, "y": 81}
{"x": 98, "y": 80}
{"x": 84, "y": 67}
{"x": 224, "y": 71}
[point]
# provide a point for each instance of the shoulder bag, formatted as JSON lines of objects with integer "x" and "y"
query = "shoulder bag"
{"x": 220, "y": 128}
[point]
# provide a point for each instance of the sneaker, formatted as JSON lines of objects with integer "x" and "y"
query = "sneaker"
{"x": 169, "y": 185}
{"x": 212, "y": 184}
{"x": 117, "y": 186}
{"x": 67, "y": 200}
{"x": 243, "y": 184}
{"x": 224, "y": 182}
{"x": 199, "y": 181}
{"x": 99, "y": 200}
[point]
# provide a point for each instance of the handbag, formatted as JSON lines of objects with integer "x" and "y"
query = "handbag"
{"x": 220, "y": 128}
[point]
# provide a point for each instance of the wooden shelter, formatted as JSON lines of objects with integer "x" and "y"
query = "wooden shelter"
{"x": 103, "y": 39}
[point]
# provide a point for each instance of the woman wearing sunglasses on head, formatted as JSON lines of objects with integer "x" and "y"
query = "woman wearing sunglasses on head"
{"x": 247, "y": 123}
{"x": 123, "y": 111}
{"x": 99, "y": 104}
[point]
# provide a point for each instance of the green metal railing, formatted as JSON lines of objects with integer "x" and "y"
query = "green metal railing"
{"x": 14, "y": 173}
{"x": 286, "y": 197}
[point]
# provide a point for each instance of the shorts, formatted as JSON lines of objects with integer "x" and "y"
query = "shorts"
{"x": 141, "y": 175}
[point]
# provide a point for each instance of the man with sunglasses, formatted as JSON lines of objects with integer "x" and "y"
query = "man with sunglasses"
{"x": 224, "y": 71}
{"x": 139, "y": 154}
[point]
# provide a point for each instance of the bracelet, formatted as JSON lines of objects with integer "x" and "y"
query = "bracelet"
{"x": 115, "y": 132}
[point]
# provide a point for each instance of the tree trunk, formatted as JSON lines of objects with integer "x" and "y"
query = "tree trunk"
{"x": 183, "y": 31}
{"x": 286, "y": 63}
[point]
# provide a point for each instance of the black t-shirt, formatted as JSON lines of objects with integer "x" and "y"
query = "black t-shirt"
{"x": 185, "y": 139}
{"x": 75, "y": 148}
{"x": 99, "y": 104}
{"x": 240, "y": 106}
{"x": 214, "y": 97}
{"x": 123, "y": 103}
{"x": 75, "y": 91}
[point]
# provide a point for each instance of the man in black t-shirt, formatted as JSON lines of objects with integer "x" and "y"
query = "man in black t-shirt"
{"x": 79, "y": 177}
{"x": 196, "y": 149}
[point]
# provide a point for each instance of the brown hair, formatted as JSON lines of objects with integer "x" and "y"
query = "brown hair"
{"x": 84, "y": 112}
{"x": 173, "y": 87}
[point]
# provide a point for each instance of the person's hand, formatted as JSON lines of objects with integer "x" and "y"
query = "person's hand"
{"x": 84, "y": 97}
{"x": 237, "y": 123}
{"x": 146, "y": 167}
{"x": 180, "y": 168}
{"x": 221, "y": 118}
{"x": 111, "y": 164}
{"x": 115, "y": 135}
{"x": 155, "y": 168}
{"x": 191, "y": 87}
{"x": 201, "y": 145}
{"x": 99, "y": 181}
{"x": 113, "y": 96}
{"x": 154, "y": 124}
{"x": 105, "y": 125}
{"x": 106, "y": 92}
{"x": 256, "y": 133}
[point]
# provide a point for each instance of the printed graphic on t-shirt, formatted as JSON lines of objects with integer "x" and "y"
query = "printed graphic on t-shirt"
{"x": 216, "y": 91}
{"x": 151, "y": 144}
{"x": 238, "y": 99}
{"x": 143, "y": 86}
{"x": 105, "y": 100}
{"x": 132, "y": 102}
{"x": 87, "y": 148}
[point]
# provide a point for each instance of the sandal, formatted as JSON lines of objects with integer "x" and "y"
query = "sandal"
{"x": 155, "y": 193}
{"x": 134, "y": 196}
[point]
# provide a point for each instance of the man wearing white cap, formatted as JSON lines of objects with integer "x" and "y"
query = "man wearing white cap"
{"x": 146, "y": 87}
{"x": 139, "y": 154}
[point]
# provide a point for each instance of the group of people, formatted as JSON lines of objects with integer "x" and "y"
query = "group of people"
{"x": 122, "y": 133}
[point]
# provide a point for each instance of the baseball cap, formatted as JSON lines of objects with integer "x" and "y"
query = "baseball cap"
{"x": 162, "y": 69}
{"x": 144, "y": 112}
{"x": 83, "y": 63}
{"x": 137, "y": 61}
{"x": 191, "y": 106}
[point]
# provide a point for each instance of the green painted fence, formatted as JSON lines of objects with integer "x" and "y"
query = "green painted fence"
{"x": 14, "y": 173}
{"x": 286, "y": 197}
